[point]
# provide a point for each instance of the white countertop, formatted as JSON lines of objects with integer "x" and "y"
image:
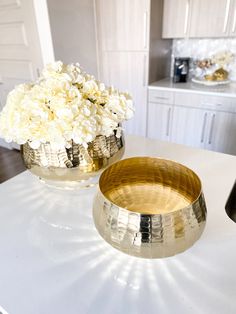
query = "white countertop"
{"x": 228, "y": 90}
{"x": 54, "y": 261}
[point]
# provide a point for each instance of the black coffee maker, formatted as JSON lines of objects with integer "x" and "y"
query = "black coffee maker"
{"x": 181, "y": 70}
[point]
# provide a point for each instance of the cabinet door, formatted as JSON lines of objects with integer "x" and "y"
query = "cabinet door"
{"x": 189, "y": 126}
{"x": 123, "y": 24}
{"x": 175, "y": 18}
{"x": 127, "y": 71}
{"x": 209, "y": 18}
{"x": 159, "y": 121}
{"x": 232, "y": 23}
{"x": 222, "y": 133}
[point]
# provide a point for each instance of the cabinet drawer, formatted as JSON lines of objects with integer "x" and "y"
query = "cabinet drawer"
{"x": 187, "y": 100}
{"x": 216, "y": 103}
{"x": 160, "y": 96}
{"x": 219, "y": 103}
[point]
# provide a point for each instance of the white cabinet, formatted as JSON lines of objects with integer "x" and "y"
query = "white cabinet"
{"x": 160, "y": 96}
{"x": 207, "y": 129}
{"x": 126, "y": 72}
{"x": 123, "y": 32}
{"x": 131, "y": 51}
{"x": 209, "y": 18}
{"x": 217, "y": 116}
{"x": 199, "y": 18}
{"x": 232, "y": 19}
{"x": 222, "y": 131}
{"x": 159, "y": 116}
{"x": 175, "y": 18}
{"x": 123, "y": 24}
{"x": 159, "y": 121}
{"x": 204, "y": 121}
{"x": 193, "y": 119}
{"x": 189, "y": 126}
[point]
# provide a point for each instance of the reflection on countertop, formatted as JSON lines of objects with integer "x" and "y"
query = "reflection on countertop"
{"x": 228, "y": 90}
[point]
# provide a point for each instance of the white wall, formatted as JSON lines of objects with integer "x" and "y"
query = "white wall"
{"x": 73, "y": 32}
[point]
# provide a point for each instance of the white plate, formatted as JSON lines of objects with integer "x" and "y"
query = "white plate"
{"x": 209, "y": 83}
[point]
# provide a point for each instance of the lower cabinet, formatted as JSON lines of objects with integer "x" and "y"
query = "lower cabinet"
{"x": 222, "y": 132}
{"x": 189, "y": 126}
{"x": 194, "y": 125}
{"x": 212, "y": 130}
{"x": 159, "y": 121}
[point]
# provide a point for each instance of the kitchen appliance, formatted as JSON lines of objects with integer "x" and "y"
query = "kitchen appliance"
{"x": 181, "y": 70}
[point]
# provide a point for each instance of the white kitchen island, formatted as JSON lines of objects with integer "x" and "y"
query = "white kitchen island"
{"x": 54, "y": 262}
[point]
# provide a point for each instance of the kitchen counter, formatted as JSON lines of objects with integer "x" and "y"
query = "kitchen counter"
{"x": 54, "y": 261}
{"x": 228, "y": 90}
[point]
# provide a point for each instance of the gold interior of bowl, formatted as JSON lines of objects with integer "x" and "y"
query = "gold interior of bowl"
{"x": 150, "y": 185}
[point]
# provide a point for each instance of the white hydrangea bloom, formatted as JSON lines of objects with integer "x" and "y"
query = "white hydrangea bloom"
{"x": 223, "y": 58}
{"x": 64, "y": 104}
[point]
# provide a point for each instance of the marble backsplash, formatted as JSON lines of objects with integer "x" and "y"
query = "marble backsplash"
{"x": 204, "y": 48}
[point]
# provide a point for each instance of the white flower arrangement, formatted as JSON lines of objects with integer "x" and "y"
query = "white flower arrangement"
{"x": 64, "y": 105}
{"x": 222, "y": 58}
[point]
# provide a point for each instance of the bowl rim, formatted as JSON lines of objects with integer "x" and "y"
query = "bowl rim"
{"x": 201, "y": 194}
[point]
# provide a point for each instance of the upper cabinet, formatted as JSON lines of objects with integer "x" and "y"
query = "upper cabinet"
{"x": 175, "y": 18}
{"x": 123, "y": 24}
{"x": 199, "y": 18}
{"x": 209, "y": 18}
{"x": 128, "y": 71}
{"x": 129, "y": 44}
{"x": 232, "y": 24}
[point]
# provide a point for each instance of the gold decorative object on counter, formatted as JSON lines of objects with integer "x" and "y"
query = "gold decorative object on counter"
{"x": 75, "y": 167}
{"x": 218, "y": 75}
{"x": 149, "y": 207}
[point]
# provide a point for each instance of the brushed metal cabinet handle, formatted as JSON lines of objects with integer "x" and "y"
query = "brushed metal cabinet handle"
{"x": 168, "y": 122}
{"x": 212, "y": 128}
{"x": 234, "y": 20}
{"x": 38, "y": 72}
{"x": 212, "y": 104}
{"x": 226, "y": 16}
{"x": 160, "y": 97}
{"x": 203, "y": 127}
{"x": 145, "y": 20}
{"x": 144, "y": 70}
{"x": 186, "y": 17}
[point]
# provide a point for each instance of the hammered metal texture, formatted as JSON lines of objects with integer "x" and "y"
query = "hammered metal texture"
{"x": 149, "y": 207}
{"x": 76, "y": 163}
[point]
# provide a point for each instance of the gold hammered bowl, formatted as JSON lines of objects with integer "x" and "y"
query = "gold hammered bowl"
{"x": 149, "y": 207}
{"x": 76, "y": 166}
